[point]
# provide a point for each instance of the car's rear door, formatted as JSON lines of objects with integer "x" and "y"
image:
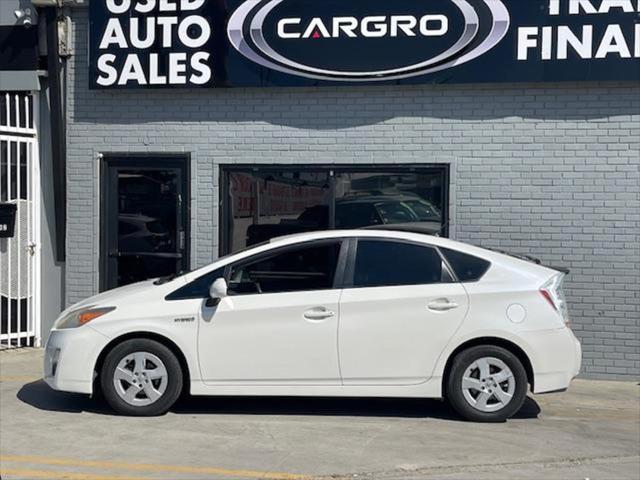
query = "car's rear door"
{"x": 279, "y": 324}
{"x": 400, "y": 308}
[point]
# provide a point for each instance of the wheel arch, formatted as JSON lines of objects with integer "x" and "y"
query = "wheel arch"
{"x": 492, "y": 341}
{"x": 170, "y": 344}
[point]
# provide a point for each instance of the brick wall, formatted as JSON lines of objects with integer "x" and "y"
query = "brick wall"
{"x": 551, "y": 170}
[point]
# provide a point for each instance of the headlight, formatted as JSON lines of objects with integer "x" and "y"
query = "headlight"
{"x": 79, "y": 317}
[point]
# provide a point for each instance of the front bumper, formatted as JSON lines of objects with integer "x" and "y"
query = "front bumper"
{"x": 557, "y": 361}
{"x": 70, "y": 358}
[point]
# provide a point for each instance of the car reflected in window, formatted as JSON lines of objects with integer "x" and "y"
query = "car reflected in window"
{"x": 266, "y": 203}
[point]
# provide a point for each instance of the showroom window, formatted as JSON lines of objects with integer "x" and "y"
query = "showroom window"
{"x": 261, "y": 203}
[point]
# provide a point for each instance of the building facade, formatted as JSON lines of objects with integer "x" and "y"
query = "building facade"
{"x": 31, "y": 281}
{"x": 162, "y": 180}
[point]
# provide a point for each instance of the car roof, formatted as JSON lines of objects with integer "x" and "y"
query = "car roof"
{"x": 496, "y": 258}
{"x": 414, "y": 227}
{"x": 416, "y": 233}
{"x": 378, "y": 198}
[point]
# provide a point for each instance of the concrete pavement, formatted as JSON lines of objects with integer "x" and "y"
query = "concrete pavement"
{"x": 592, "y": 431}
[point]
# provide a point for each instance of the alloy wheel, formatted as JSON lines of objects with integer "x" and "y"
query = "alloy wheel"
{"x": 488, "y": 384}
{"x": 140, "y": 379}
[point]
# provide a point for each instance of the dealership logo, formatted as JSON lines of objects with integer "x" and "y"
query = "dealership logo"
{"x": 366, "y": 40}
{"x": 370, "y": 27}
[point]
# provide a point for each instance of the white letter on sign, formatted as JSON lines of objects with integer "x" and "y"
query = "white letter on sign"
{"x": 374, "y": 27}
{"x": 288, "y": 21}
{"x": 527, "y": 38}
{"x": 613, "y": 42}
{"x": 113, "y": 34}
{"x": 194, "y": 42}
{"x": 104, "y": 65}
{"x": 132, "y": 70}
{"x": 190, "y": 5}
{"x": 199, "y": 64}
{"x": 145, "y": 7}
{"x": 438, "y": 32}
{"x": 118, "y": 6}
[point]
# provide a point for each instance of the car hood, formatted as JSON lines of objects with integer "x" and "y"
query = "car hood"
{"x": 114, "y": 298}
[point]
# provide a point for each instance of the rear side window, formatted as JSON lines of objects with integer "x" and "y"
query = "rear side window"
{"x": 466, "y": 267}
{"x": 199, "y": 288}
{"x": 388, "y": 263}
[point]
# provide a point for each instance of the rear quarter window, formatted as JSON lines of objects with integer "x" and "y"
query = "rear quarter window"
{"x": 466, "y": 267}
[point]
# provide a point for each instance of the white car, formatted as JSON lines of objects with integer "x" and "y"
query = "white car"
{"x": 358, "y": 313}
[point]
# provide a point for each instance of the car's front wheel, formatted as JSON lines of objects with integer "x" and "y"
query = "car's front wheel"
{"x": 141, "y": 377}
{"x": 486, "y": 384}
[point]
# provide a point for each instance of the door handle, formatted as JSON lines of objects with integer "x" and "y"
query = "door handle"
{"x": 319, "y": 313}
{"x": 442, "y": 305}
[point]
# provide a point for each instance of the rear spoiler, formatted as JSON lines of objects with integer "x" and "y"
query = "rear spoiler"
{"x": 531, "y": 259}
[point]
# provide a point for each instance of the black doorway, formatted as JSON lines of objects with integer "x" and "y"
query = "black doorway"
{"x": 145, "y": 218}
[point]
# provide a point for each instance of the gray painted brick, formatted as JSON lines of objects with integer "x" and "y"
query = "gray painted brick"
{"x": 552, "y": 170}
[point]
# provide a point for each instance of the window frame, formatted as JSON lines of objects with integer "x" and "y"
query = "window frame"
{"x": 110, "y": 163}
{"x": 350, "y": 270}
{"x": 225, "y": 214}
{"x": 338, "y": 280}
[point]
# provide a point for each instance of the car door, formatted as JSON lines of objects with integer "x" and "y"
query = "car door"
{"x": 279, "y": 324}
{"x": 400, "y": 309}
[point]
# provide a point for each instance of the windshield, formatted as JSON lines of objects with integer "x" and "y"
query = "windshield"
{"x": 396, "y": 212}
{"x": 423, "y": 210}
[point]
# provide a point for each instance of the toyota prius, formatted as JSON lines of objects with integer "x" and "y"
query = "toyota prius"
{"x": 354, "y": 313}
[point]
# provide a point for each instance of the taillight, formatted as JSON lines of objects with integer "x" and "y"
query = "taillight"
{"x": 547, "y": 296}
{"x": 553, "y": 293}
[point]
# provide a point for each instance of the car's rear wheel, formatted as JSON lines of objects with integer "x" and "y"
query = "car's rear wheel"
{"x": 141, "y": 377}
{"x": 486, "y": 384}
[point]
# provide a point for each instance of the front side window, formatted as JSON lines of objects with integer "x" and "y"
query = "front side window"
{"x": 296, "y": 269}
{"x": 381, "y": 263}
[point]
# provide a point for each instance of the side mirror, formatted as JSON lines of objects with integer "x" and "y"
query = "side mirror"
{"x": 217, "y": 292}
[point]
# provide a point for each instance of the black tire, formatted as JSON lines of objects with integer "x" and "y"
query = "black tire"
{"x": 455, "y": 393}
{"x": 173, "y": 378}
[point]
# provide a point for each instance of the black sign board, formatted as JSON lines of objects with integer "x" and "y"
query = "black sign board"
{"x": 249, "y": 43}
{"x": 7, "y": 219}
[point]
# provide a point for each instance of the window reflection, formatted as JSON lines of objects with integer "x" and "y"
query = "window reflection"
{"x": 147, "y": 224}
{"x": 368, "y": 199}
{"x": 264, "y": 204}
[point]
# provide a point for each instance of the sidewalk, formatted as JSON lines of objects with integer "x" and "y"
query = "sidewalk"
{"x": 592, "y": 431}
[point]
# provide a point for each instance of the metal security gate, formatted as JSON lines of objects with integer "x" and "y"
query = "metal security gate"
{"x": 20, "y": 254}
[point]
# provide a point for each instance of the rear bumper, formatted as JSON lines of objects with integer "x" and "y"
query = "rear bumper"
{"x": 557, "y": 360}
{"x": 70, "y": 357}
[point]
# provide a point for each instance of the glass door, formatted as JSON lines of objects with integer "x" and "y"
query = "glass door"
{"x": 145, "y": 213}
